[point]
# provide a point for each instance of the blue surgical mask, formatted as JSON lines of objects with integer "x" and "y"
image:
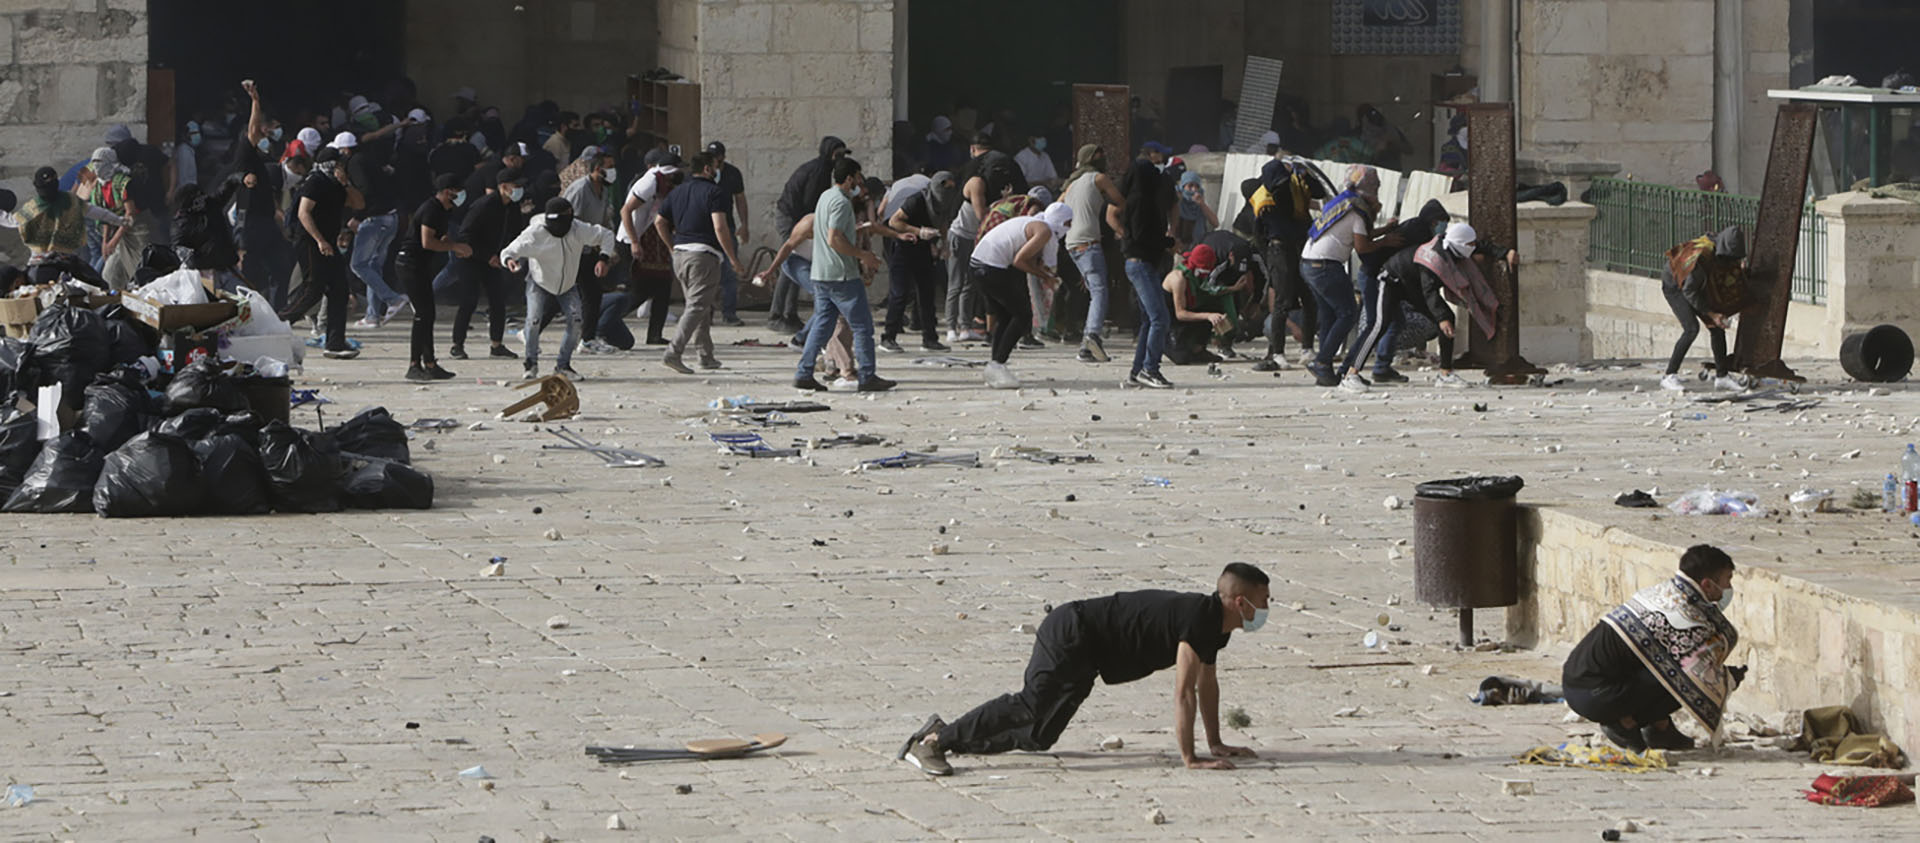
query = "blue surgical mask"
{"x": 1726, "y": 598}
{"x": 193, "y": 138}
{"x": 460, "y": 198}
{"x": 855, "y": 192}
{"x": 518, "y": 192}
{"x": 277, "y": 133}
{"x": 264, "y": 144}
{"x": 1040, "y": 145}
{"x": 1253, "y": 624}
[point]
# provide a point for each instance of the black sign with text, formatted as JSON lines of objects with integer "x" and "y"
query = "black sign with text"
{"x": 1398, "y": 13}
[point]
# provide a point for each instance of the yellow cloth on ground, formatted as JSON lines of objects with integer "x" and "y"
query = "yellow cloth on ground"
{"x": 1833, "y": 735}
{"x": 1595, "y": 758}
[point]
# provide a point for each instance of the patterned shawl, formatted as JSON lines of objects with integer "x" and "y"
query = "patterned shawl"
{"x": 1684, "y": 639}
{"x": 1464, "y": 283}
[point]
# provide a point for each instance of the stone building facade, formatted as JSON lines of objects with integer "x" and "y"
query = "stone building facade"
{"x": 68, "y": 70}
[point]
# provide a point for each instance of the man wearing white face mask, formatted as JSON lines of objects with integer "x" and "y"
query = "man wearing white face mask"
{"x": 1118, "y": 638}
{"x": 1035, "y": 165}
{"x": 1664, "y": 648}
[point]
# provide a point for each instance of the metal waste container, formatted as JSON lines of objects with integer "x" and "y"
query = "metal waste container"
{"x": 1464, "y": 554}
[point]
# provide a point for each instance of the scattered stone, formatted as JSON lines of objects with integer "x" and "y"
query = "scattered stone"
{"x": 499, "y": 459}
{"x": 1627, "y": 827}
{"x": 1349, "y": 711}
{"x": 1709, "y": 772}
{"x": 1156, "y": 817}
{"x": 497, "y": 569}
{"x": 1238, "y": 718}
{"x": 477, "y": 426}
{"x": 552, "y": 534}
{"x": 1610, "y": 834}
{"x": 683, "y": 789}
{"x": 938, "y": 550}
{"x": 538, "y": 510}
{"x": 1428, "y": 670}
{"x": 960, "y": 616}
{"x": 1071, "y": 498}
{"x": 1516, "y": 787}
{"x": 1393, "y": 502}
{"x": 1026, "y": 629}
{"x": 1396, "y": 682}
{"x": 1112, "y": 742}
{"x": 558, "y": 622}
{"x": 614, "y": 823}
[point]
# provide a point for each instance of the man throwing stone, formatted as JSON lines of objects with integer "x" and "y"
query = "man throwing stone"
{"x": 1119, "y": 638}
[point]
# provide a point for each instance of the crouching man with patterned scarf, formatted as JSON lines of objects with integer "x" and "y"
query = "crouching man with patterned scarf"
{"x": 1663, "y": 649}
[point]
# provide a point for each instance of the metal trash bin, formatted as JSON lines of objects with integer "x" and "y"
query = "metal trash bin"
{"x": 1464, "y": 553}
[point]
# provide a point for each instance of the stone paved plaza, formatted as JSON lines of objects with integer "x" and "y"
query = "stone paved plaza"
{"x": 242, "y": 679}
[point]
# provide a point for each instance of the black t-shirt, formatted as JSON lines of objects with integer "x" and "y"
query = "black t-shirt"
{"x": 329, "y": 204}
{"x": 430, "y": 215}
{"x": 734, "y": 184}
{"x": 919, "y": 211}
{"x": 690, "y": 208}
{"x": 369, "y": 173}
{"x": 1139, "y": 632}
{"x": 258, "y": 200}
{"x": 488, "y": 225}
{"x": 1148, "y": 199}
{"x": 1223, "y": 244}
{"x": 1600, "y": 659}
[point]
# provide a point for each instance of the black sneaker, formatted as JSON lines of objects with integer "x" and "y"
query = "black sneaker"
{"x": 1092, "y": 344}
{"x": 1322, "y": 376}
{"x": 1266, "y": 364}
{"x": 434, "y": 371}
{"x": 934, "y": 345}
{"x": 457, "y": 353}
{"x": 1389, "y": 376}
{"x": 341, "y": 353}
{"x": 418, "y": 373}
{"x": 875, "y": 384}
{"x": 503, "y": 352}
{"x": 529, "y": 370}
{"x": 889, "y": 344}
{"x": 672, "y": 361}
{"x": 1086, "y": 356}
{"x": 1154, "y": 380}
{"x": 1628, "y": 739}
{"x": 1668, "y": 738}
{"x": 659, "y": 341}
{"x": 711, "y": 363}
{"x": 733, "y": 322}
{"x": 1028, "y": 342}
{"x": 933, "y": 725}
{"x": 808, "y": 384}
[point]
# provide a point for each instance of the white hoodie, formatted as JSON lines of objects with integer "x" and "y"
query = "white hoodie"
{"x": 554, "y": 262}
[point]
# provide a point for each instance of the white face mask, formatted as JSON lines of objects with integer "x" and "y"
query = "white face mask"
{"x": 612, "y": 174}
{"x": 1726, "y": 598}
{"x": 1258, "y": 620}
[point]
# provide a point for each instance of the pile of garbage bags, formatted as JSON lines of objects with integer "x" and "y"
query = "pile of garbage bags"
{"x": 127, "y": 440}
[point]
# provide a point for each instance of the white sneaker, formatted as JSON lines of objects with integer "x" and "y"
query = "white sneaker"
{"x": 1352, "y": 384}
{"x": 596, "y": 346}
{"x": 365, "y": 325}
{"x": 1000, "y": 377}
{"x": 845, "y": 385}
{"x": 1672, "y": 383}
{"x": 1450, "y": 381}
{"x": 1729, "y": 383}
{"x": 1283, "y": 363}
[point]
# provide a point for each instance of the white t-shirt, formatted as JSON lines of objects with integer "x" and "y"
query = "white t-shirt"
{"x": 1036, "y": 166}
{"x": 1004, "y": 242}
{"x": 1336, "y": 243}
{"x": 647, "y": 189}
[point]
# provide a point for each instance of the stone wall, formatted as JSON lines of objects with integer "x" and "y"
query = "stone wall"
{"x": 1768, "y": 59}
{"x": 577, "y": 53}
{"x": 68, "y": 70}
{"x": 777, "y": 75}
{"x": 1628, "y": 81}
{"x": 1808, "y": 643}
{"x": 1627, "y": 318}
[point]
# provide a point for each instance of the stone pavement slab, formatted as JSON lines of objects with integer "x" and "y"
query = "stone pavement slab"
{"x": 254, "y": 679}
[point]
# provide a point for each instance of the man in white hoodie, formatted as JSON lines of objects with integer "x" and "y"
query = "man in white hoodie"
{"x": 551, "y": 248}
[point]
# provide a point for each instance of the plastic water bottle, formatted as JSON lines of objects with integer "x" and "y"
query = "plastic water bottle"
{"x": 1890, "y": 495}
{"x": 1910, "y": 480}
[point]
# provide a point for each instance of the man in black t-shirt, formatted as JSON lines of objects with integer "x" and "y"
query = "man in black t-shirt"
{"x": 1150, "y": 200}
{"x": 323, "y": 207}
{"x": 730, "y": 180}
{"x": 1118, "y": 638}
{"x": 428, "y": 232}
{"x": 694, "y": 220}
{"x": 910, "y": 271}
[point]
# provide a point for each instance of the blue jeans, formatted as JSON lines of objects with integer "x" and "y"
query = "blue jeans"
{"x": 613, "y": 320}
{"x": 1333, "y": 293}
{"x": 542, "y": 304}
{"x": 832, "y": 300}
{"x": 370, "y": 244}
{"x": 1093, "y": 267}
{"x": 799, "y": 271}
{"x": 1152, "y": 344}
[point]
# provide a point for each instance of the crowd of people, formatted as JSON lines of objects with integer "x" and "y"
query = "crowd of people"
{"x": 377, "y": 211}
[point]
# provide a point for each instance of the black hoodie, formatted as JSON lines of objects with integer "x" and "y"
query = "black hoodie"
{"x": 804, "y": 187}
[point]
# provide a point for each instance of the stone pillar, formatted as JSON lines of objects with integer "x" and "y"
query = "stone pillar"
{"x": 73, "y": 69}
{"x": 1873, "y": 264}
{"x": 777, "y": 75}
{"x": 1553, "y": 281}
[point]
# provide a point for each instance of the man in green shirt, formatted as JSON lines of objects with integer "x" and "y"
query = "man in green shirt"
{"x": 840, "y": 269}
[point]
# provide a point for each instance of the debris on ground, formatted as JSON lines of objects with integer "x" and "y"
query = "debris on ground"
{"x": 1708, "y": 501}
{"x": 1238, "y": 718}
{"x": 610, "y": 456}
{"x": 1508, "y": 690}
{"x": 1041, "y": 455}
{"x": 916, "y": 459}
{"x": 750, "y": 445}
{"x": 1636, "y": 499}
{"x": 553, "y": 394}
{"x": 475, "y": 772}
{"x": 841, "y": 441}
{"x": 1157, "y": 817}
{"x": 1112, "y": 742}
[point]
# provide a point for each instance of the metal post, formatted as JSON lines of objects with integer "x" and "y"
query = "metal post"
{"x": 1493, "y": 211}
{"x": 1466, "y": 628}
{"x": 1775, "y": 244}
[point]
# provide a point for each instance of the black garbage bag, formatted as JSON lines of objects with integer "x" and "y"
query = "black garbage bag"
{"x": 193, "y": 425}
{"x": 155, "y": 475}
{"x": 1471, "y": 488}
{"x": 203, "y": 384}
{"x": 374, "y": 433}
{"x": 303, "y": 468}
{"x": 115, "y": 412}
{"x": 69, "y": 348}
{"x": 385, "y": 484}
{"x": 235, "y": 477}
{"x": 19, "y": 444}
{"x": 244, "y": 425}
{"x": 128, "y": 338}
{"x": 17, "y": 370}
{"x": 61, "y": 478}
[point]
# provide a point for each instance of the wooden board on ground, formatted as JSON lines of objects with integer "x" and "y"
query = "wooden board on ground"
{"x": 705, "y": 749}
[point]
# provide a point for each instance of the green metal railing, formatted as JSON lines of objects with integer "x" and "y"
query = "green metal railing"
{"x": 1638, "y": 222}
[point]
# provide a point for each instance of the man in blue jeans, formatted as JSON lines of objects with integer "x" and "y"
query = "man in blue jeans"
{"x": 839, "y": 269}
{"x": 1149, "y": 201}
{"x": 1343, "y": 227}
{"x": 370, "y": 171}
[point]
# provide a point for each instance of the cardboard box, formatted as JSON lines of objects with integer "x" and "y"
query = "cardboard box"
{"x": 19, "y": 311}
{"x": 173, "y": 318}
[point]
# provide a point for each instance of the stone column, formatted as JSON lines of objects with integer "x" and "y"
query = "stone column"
{"x": 1553, "y": 282}
{"x": 1873, "y": 264}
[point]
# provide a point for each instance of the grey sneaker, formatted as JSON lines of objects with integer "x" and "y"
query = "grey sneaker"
{"x": 672, "y": 361}
{"x": 710, "y": 363}
{"x": 931, "y": 760}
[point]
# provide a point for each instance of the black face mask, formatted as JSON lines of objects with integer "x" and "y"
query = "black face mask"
{"x": 1100, "y": 163}
{"x": 558, "y": 225}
